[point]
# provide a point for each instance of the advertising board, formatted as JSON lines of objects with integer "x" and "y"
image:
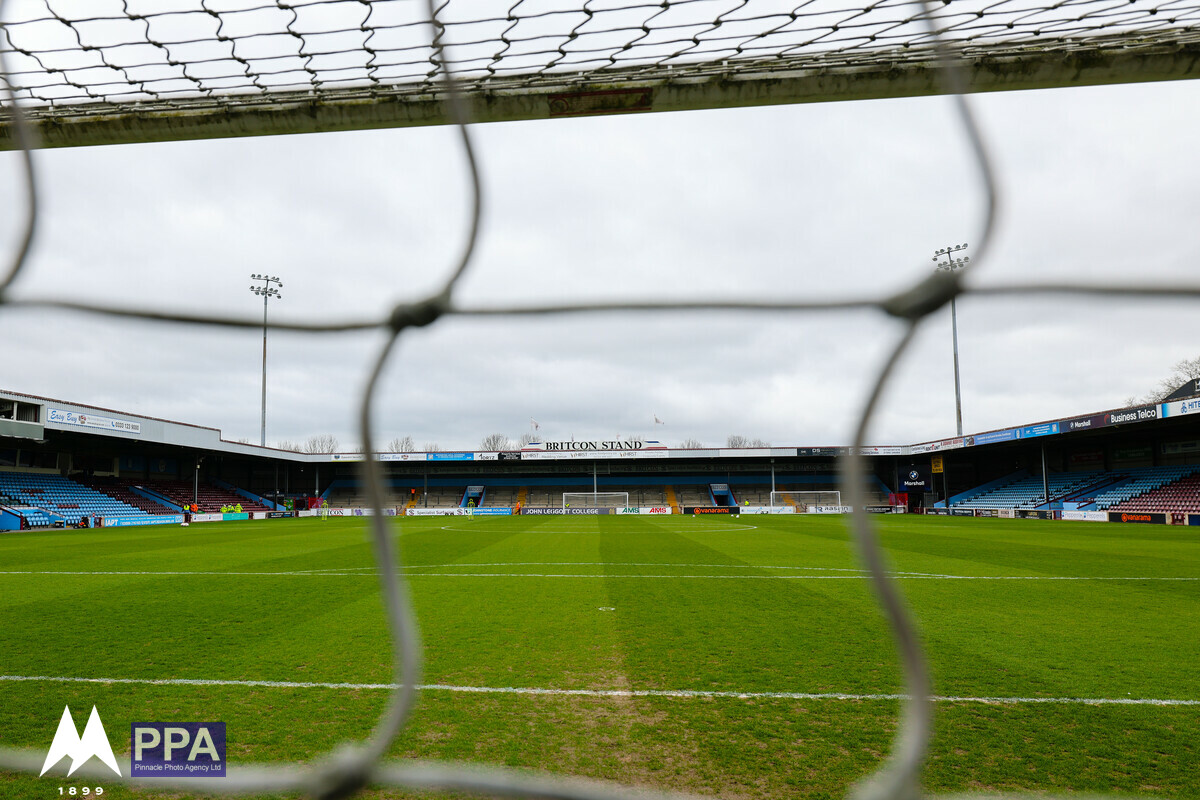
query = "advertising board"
{"x": 645, "y": 510}
{"x": 402, "y": 456}
{"x": 590, "y": 512}
{"x": 1085, "y": 516}
{"x": 768, "y": 510}
{"x": 1006, "y": 435}
{"x": 1045, "y": 429}
{"x": 916, "y": 479}
{"x": 828, "y": 510}
{"x": 1145, "y": 518}
{"x": 158, "y": 519}
{"x": 1126, "y": 415}
{"x": 1085, "y": 423}
{"x": 1179, "y": 408}
{"x": 59, "y": 416}
{"x": 711, "y": 510}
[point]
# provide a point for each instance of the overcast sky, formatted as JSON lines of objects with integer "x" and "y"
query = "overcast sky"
{"x": 807, "y": 201}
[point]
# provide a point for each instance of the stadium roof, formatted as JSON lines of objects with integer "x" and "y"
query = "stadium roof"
{"x": 61, "y": 415}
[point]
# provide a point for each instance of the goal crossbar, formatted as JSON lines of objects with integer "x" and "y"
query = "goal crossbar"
{"x": 92, "y": 94}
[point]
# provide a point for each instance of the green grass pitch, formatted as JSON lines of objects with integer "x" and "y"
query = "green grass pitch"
{"x": 733, "y": 611}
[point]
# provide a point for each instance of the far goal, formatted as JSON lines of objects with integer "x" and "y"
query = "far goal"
{"x": 595, "y": 499}
{"x": 802, "y": 500}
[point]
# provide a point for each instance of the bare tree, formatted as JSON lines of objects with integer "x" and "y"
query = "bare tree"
{"x": 736, "y": 440}
{"x": 1186, "y": 369}
{"x": 495, "y": 441}
{"x": 691, "y": 444}
{"x": 525, "y": 439}
{"x": 295, "y": 447}
{"x": 322, "y": 443}
{"x": 432, "y": 447}
{"x": 401, "y": 444}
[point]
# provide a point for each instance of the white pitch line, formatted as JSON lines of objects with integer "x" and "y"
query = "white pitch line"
{"x": 411, "y": 574}
{"x": 680, "y": 693}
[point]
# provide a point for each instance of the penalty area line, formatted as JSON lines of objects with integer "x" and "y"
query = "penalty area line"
{"x": 602, "y": 693}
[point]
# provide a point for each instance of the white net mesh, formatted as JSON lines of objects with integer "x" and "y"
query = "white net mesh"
{"x": 595, "y": 499}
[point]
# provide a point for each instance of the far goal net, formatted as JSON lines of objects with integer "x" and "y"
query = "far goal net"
{"x": 801, "y": 501}
{"x": 595, "y": 499}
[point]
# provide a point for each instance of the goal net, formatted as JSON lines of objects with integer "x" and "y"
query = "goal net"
{"x": 802, "y": 500}
{"x": 595, "y": 499}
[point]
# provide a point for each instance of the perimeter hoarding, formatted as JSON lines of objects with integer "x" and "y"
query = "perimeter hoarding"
{"x": 1085, "y": 516}
{"x": 159, "y": 519}
{"x": 1137, "y": 517}
{"x": 567, "y": 511}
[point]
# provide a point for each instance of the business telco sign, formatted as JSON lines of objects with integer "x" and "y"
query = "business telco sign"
{"x": 1126, "y": 415}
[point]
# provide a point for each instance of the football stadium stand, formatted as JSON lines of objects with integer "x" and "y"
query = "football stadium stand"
{"x": 60, "y": 499}
{"x": 1179, "y": 497}
{"x": 1173, "y": 488}
{"x": 1150, "y": 485}
{"x": 209, "y": 497}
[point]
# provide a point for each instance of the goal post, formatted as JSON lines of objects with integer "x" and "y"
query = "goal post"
{"x": 595, "y": 500}
{"x": 802, "y": 500}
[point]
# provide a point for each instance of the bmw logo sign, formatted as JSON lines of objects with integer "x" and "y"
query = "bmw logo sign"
{"x": 913, "y": 475}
